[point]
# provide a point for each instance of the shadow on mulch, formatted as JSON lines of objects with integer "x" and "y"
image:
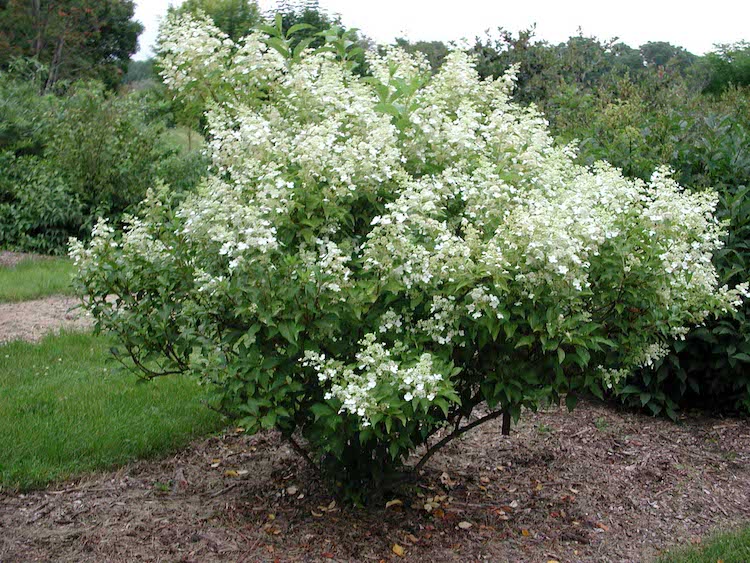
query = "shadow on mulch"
{"x": 592, "y": 485}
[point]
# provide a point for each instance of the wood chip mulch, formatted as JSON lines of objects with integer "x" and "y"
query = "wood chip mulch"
{"x": 593, "y": 485}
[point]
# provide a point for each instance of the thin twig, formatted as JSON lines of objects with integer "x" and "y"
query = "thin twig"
{"x": 224, "y": 490}
{"x": 453, "y": 435}
{"x": 302, "y": 453}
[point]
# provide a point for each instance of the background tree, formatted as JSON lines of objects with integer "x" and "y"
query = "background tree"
{"x": 236, "y": 18}
{"x": 73, "y": 38}
{"x": 435, "y": 51}
{"x": 666, "y": 55}
{"x": 728, "y": 65}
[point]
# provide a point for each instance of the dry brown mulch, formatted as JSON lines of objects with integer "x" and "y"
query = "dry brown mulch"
{"x": 594, "y": 485}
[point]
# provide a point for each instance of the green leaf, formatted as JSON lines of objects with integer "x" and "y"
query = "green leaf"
{"x": 269, "y": 420}
{"x": 560, "y": 355}
{"x": 289, "y": 331}
{"x": 269, "y": 30}
{"x": 320, "y": 410}
{"x": 527, "y": 340}
{"x": 571, "y": 400}
{"x": 301, "y": 46}
{"x": 298, "y": 27}
{"x": 279, "y": 45}
{"x": 394, "y": 450}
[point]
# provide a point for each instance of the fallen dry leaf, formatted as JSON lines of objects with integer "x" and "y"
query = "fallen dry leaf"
{"x": 394, "y": 502}
{"x": 465, "y": 525}
{"x": 231, "y": 473}
{"x": 446, "y": 480}
{"x": 525, "y": 532}
{"x": 398, "y": 550}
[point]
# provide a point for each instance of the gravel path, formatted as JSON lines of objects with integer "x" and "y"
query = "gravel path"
{"x": 9, "y": 259}
{"x": 32, "y": 320}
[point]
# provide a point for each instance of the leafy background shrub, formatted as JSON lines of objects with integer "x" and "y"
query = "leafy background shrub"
{"x": 68, "y": 160}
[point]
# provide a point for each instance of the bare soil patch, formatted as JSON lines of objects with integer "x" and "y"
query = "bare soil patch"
{"x": 32, "y": 320}
{"x": 594, "y": 485}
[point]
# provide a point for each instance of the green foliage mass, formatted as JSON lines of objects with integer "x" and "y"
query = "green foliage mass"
{"x": 729, "y": 65}
{"x": 67, "y": 160}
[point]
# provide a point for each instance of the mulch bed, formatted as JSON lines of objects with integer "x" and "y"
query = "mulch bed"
{"x": 594, "y": 485}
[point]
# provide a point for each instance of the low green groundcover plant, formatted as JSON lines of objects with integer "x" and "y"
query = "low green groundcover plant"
{"x": 375, "y": 258}
{"x": 66, "y": 409}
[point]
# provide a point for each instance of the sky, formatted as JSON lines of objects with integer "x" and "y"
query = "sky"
{"x": 633, "y": 21}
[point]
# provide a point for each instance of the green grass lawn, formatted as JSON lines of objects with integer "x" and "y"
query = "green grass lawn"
{"x": 65, "y": 410}
{"x": 732, "y": 547}
{"x": 32, "y": 279}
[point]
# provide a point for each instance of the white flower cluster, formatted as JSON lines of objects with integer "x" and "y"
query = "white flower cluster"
{"x": 443, "y": 324}
{"x": 327, "y": 266}
{"x": 481, "y": 298}
{"x": 190, "y": 47}
{"x": 391, "y": 321}
{"x": 376, "y": 372}
{"x": 653, "y": 353}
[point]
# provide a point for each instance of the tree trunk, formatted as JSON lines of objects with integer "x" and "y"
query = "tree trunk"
{"x": 54, "y": 67}
{"x": 36, "y": 11}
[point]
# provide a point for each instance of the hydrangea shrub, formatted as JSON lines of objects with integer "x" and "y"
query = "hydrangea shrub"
{"x": 372, "y": 259}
